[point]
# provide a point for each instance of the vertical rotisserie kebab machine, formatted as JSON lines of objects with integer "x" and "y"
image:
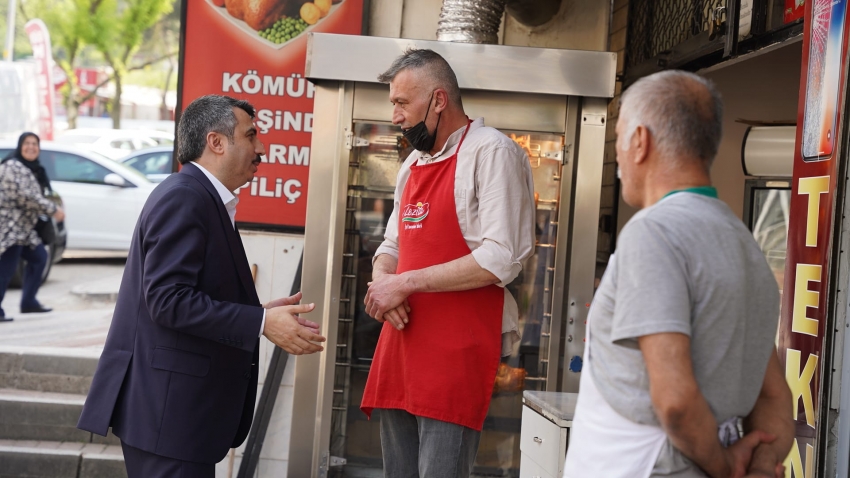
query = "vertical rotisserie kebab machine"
{"x": 554, "y": 104}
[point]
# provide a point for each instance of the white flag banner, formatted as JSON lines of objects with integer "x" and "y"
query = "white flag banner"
{"x": 43, "y": 54}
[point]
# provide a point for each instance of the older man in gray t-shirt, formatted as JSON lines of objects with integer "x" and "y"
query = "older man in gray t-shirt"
{"x": 680, "y": 342}
{"x": 685, "y": 265}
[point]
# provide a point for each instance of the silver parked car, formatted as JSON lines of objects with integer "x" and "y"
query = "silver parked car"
{"x": 155, "y": 163}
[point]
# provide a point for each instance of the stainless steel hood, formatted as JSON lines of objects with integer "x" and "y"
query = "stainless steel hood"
{"x": 480, "y": 67}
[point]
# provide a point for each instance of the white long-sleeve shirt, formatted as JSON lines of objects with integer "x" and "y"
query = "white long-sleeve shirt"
{"x": 230, "y": 201}
{"x": 494, "y": 199}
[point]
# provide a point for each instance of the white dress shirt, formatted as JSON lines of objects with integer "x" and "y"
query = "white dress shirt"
{"x": 230, "y": 201}
{"x": 494, "y": 199}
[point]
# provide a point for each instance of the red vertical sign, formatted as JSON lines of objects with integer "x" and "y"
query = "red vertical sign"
{"x": 805, "y": 322}
{"x": 256, "y": 50}
{"x": 43, "y": 54}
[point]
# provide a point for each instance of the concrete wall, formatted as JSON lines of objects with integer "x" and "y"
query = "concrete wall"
{"x": 579, "y": 25}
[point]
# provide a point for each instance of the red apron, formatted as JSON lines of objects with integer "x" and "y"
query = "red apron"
{"x": 443, "y": 364}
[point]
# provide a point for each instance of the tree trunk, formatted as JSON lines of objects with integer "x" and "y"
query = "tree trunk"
{"x": 71, "y": 109}
{"x": 116, "y": 102}
{"x": 71, "y": 96}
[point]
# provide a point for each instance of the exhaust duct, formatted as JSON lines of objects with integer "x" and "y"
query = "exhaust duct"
{"x": 470, "y": 21}
{"x": 478, "y": 21}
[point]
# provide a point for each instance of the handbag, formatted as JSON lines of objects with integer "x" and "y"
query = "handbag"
{"x": 45, "y": 230}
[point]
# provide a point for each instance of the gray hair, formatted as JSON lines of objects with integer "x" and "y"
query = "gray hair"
{"x": 682, "y": 111}
{"x": 211, "y": 113}
{"x": 431, "y": 65}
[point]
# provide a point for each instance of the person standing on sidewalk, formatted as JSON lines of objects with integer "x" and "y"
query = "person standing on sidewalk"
{"x": 23, "y": 182}
{"x": 680, "y": 353}
{"x": 462, "y": 224}
{"x": 177, "y": 379}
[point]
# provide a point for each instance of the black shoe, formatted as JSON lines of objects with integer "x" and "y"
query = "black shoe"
{"x": 6, "y": 319}
{"x": 39, "y": 309}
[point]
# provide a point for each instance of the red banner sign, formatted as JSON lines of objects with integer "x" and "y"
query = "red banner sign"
{"x": 43, "y": 54}
{"x": 793, "y": 10}
{"x": 805, "y": 320}
{"x": 256, "y": 50}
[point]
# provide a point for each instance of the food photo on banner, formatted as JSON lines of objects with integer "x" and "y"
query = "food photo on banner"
{"x": 256, "y": 50}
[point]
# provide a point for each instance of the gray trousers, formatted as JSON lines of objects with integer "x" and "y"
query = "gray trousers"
{"x": 419, "y": 447}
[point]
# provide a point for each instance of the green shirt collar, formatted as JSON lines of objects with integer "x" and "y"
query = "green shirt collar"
{"x": 709, "y": 191}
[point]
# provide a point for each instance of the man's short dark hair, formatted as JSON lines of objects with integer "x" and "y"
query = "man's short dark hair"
{"x": 430, "y": 64}
{"x": 211, "y": 113}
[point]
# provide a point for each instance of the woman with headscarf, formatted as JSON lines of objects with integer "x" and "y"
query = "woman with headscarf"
{"x": 23, "y": 183}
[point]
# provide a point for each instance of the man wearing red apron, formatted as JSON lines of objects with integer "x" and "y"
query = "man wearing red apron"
{"x": 463, "y": 223}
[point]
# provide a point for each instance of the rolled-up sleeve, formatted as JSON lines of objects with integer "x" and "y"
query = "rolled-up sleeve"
{"x": 505, "y": 211}
{"x": 390, "y": 244}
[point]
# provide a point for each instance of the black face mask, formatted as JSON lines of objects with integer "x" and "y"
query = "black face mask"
{"x": 418, "y": 134}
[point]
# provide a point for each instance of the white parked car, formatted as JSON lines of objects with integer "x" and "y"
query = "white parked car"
{"x": 115, "y": 143}
{"x": 102, "y": 198}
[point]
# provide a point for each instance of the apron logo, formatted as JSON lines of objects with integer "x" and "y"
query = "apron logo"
{"x": 414, "y": 213}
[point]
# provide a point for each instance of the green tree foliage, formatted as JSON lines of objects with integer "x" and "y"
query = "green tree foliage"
{"x": 115, "y": 28}
{"x": 124, "y": 25}
{"x": 67, "y": 22}
{"x": 21, "y": 47}
{"x": 161, "y": 41}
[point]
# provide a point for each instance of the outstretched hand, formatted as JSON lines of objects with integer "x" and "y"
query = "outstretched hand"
{"x": 286, "y": 329}
{"x": 292, "y": 300}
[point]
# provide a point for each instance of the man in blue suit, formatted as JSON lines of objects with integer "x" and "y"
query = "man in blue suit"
{"x": 177, "y": 379}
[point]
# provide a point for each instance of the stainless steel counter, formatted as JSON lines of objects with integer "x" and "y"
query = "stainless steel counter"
{"x": 558, "y": 407}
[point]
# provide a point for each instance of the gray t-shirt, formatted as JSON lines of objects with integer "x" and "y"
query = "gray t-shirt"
{"x": 686, "y": 265}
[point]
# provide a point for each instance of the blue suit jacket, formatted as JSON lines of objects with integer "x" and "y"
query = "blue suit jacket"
{"x": 178, "y": 373}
